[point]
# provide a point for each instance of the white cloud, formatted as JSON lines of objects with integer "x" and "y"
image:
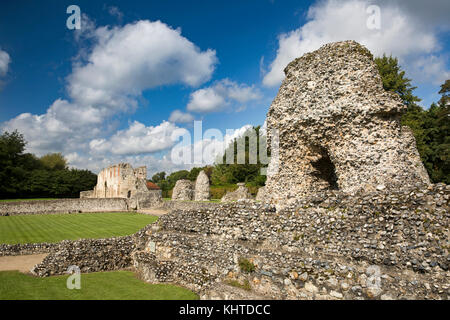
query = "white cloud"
{"x": 108, "y": 79}
{"x": 402, "y": 33}
{"x": 4, "y": 62}
{"x": 178, "y": 116}
{"x": 138, "y": 139}
{"x": 207, "y": 150}
{"x": 142, "y": 55}
{"x": 431, "y": 68}
{"x": 96, "y": 163}
{"x": 221, "y": 95}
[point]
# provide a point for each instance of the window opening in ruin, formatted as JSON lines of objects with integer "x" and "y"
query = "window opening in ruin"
{"x": 129, "y": 194}
{"x": 325, "y": 169}
{"x": 106, "y": 187}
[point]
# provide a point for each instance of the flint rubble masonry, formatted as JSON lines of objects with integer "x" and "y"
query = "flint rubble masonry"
{"x": 202, "y": 192}
{"x": 241, "y": 193}
{"x": 183, "y": 190}
{"x": 122, "y": 181}
{"x": 338, "y": 128}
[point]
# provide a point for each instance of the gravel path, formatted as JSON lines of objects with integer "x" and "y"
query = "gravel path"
{"x": 21, "y": 263}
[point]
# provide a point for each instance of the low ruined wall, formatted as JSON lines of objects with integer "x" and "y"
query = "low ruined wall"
{"x": 187, "y": 205}
{"x": 26, "y": 248}
{"x": 149, "y": 199}
{"x": 330, "y": 246}
{"x": 63, "y": 206}
{"x": 90, "y": 255}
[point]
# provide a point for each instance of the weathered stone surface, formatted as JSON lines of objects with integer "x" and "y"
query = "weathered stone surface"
{"x": 90, "y": 255}
{"x": 63, "y": 206}
{"x": 184, "y": 205}
{"x": 202, "y": 187}
{"x": 338, "y": 128}
{"x": 261, "y": 195}
{"x": 183, "y": 190}
{"x": 241, "y": 193}
{"x": 323, "y": 244}
{"x": 122, "y": 181}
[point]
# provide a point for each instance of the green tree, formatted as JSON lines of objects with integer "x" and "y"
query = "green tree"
{"x": 157, "y": 177}
{"x": 394, "y": 80}
{"x": 235, "y": 172}
{"x": 12, "y": 175}
{"x": 54, "y": 161}
{"x": 23, "y": 175}
{"x": 194, "y": 173}
{"x": 177, "y": 175}
{"x": 445, "y": 92}
{"x": 430, "y": 127}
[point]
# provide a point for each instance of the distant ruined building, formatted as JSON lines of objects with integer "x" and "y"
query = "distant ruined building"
{"x": 338, "y": 128}
{"x": 186, "y": 190}
{"x": 122, "y": 181}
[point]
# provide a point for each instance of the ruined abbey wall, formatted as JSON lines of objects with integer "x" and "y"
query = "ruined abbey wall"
{"x": 338, "y": 128}
{"x": 120, "y": 181}
{"x": 63, "y": 206}
{"x": 379, "y": 245}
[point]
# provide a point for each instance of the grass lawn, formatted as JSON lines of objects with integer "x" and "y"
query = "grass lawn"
{"x": 114, "y": 285}
{"x": 58, "y": 227}
{"x": 16, "y": 200}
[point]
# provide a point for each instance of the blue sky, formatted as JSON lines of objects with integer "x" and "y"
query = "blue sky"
{"x": 120, "y": 87}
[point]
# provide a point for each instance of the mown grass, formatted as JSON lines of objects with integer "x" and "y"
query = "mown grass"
{"x": 58, "y": 227}
{"x": 114, "y": 285}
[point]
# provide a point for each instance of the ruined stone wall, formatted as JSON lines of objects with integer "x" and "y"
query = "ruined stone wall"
{"x": 63, "y": 206}
{"x": 20, "y": 249}
{"x": 338, "y": 128}
{"x": 241, "y": 193}
{"x": 122, "y": 181}
{"x": 118, "y": 181}
{"x": 201, "y": 192}
{"x": 186, "y": 205}
{"x": 183, "y": 190}
{"x": 327, "y": 246}
{"x": 90, "y": 255}
{"x": 261, "y": 194}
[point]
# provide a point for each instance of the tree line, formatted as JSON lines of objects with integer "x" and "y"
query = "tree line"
{"x": 24, "y": 175}
{"x": 431, "y": 127}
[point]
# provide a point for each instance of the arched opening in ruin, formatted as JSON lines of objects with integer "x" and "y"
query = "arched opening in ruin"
{"x": 325, "y": 170}
{"x": 106, "y": 188}
{"x": 129, "y": 194}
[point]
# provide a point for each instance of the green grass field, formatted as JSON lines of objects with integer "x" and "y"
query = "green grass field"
{"x": 58, "y": 227}
{"x": 114, "y": 285}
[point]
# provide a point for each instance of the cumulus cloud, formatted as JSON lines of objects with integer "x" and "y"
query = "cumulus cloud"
{"x": 142, "y": 55}
{"x": 4, "y": 62}
{"x": 139, "y": 139}
{"x": 95, "y": 163}
{"x": 178, "y": 116}
{"x": 115, "y": 12}
{"x": 108, "y": 79}
{"x": 404, "y": 33}
{"x": 206, "y": 150}
{"x": 221, "y": 95}
{"x": 432, "y": 68}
